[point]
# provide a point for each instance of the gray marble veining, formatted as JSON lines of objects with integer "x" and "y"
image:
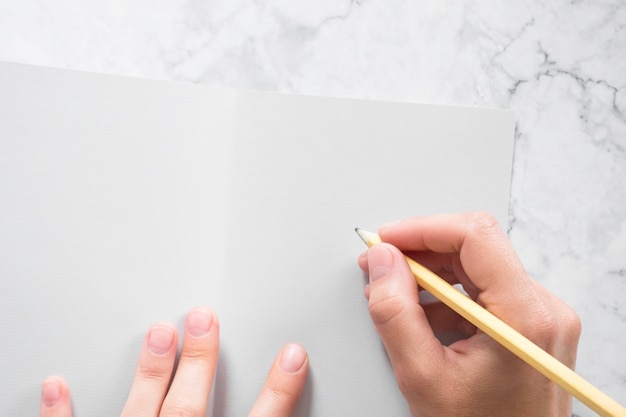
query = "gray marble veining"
{"x": 561, "y": 65}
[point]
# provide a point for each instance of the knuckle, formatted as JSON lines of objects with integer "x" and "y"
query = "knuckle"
{"x": 571, "y": 324}
{"x": 482, "y": 221}
{"x": 153, "y": 374}
{"x": 543, "y": 324}
{"x": 200, "y": 355}
{"x": 386, "y": 310}
{"x": 555, "y": 326}
{"x": 481, "y": 226}
{"x": 180, "y": 410}
{"x": 281, "y": 395}
{"x": 413, "y": 381}
{"x": 406, "y": 383}
{"x": 546, "y": 327}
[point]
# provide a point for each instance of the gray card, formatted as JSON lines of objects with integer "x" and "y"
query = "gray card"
{"x": 124, "y": 202}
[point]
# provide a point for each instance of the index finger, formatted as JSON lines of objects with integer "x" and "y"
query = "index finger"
{"x": 442, "y": 233}
{"x": 485, "y": 252}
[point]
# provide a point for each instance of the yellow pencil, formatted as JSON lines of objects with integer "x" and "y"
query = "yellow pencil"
{"x": 508, "y": 337}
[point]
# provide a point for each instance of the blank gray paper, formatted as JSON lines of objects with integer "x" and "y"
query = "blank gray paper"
{"x": 124, "y": 202}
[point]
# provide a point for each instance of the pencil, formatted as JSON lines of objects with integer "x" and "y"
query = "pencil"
{"x": 508, "y": 337}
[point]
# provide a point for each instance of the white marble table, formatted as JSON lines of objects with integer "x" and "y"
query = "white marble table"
{"x": 561, "y": 65}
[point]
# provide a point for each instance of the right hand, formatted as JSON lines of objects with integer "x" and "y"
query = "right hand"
{"x": 475, "y": 376}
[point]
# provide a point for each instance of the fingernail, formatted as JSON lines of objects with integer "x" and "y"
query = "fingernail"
{"x": 160, "y": 340}
{"x": 292, "y": 358}
{"x": 50, "y": 392}
{"x": 363, "y": 258}
{"x": 380, "y": 261}
{"x": 199, "y": 322}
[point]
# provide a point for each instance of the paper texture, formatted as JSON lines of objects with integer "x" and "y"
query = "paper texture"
{"x": 125, "y": 202}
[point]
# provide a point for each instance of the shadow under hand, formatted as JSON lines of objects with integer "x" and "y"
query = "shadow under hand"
{"x": 306, "y": 400}
{"x": 219, "y": 393}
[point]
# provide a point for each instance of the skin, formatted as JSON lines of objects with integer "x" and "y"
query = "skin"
{"x": 152, "y": 395}
{"x": 473, "y": 376}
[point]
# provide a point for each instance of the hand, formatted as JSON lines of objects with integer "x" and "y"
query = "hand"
{"x": 152, "y": 395}
{"x": 473, "y": 376}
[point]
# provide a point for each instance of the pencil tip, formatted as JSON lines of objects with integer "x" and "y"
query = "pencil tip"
{"x": 368, "y": 237}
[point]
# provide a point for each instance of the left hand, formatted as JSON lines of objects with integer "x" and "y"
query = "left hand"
{"x": 152, "y": 395}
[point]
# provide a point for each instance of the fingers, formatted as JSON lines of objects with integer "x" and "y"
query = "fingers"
{"x": 398, "y": 317}
{"x": 284, "y": 384}
{"x": 446, "y": 265}
{"x": 154, "y": 371}
{"x": 473, "y": 248}
{"x": 151, "y": 394}
{"x": 441, "y": 233}
{"x": 55, "y": 398}
{"x": 440, "y": 316}
{"x": 485, "y": 254}
{"x": 191, "y": 386}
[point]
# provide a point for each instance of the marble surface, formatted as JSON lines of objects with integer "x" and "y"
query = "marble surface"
{"x": 560, "y": 65}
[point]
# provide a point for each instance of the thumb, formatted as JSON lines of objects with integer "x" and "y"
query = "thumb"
{"x": 399, "y": 318}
